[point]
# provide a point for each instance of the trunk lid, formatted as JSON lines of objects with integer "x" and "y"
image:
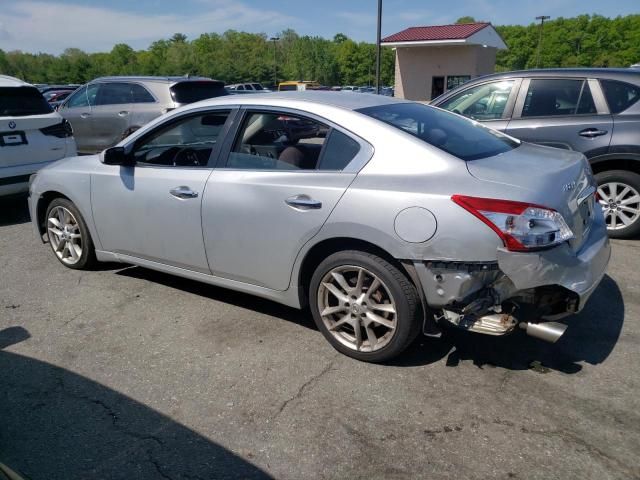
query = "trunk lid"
{"x": 550, "y": 177}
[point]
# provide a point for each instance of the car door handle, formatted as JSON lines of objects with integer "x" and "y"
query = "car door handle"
{"x": 85, "y": 115}
{"x": 123, "y": 113}
{"x": 303, "y": 202}
{"x": 592, "y": 132}
{"x": 183, "y": 192}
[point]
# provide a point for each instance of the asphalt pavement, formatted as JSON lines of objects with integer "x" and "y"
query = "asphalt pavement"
{"x": 125, "y": 373}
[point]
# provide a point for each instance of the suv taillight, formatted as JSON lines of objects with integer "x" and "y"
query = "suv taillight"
{"x": 60, "y": 130}
{"x": 521, "y": 226}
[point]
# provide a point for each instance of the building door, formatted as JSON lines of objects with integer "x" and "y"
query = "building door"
{"x": 437, "y": 87}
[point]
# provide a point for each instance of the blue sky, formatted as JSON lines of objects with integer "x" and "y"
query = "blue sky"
{"x": 94, "y": 25}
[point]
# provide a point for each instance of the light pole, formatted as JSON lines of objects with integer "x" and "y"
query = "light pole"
{"x": 379, "y": 34}
{"x": 275, "y": 63}
{"x": 542, "y": 18}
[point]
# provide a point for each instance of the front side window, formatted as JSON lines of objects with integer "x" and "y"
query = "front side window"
{"x": 555, "y": 97}
{"x": 620, "y": 95}
{"x": 482, "y": 102}
{"x": 455, "y": 135}
{"x": 83, "y": 97}
{"x": 187, "y": 142}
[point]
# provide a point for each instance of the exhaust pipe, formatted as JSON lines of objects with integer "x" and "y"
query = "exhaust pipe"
{"x": 547, "y": 331}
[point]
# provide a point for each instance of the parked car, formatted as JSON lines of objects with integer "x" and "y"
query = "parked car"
{"x": 593, "y": 111}
{"x": 110, "y": 108}
{"x": 247, "y": 88}
{"x": 349, "y": 88}
{"x": 45, "y": 88}
{"x": 400, "y": 216}
{"x": 298, "y": 86}
{"x": 32, "y": 135}
{"x": 55, "y": 97}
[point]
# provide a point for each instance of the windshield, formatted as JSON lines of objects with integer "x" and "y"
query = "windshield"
{"x": 22, "y": 101}
{"x": 189, "y": 92}
{"x": 465, "y": 139}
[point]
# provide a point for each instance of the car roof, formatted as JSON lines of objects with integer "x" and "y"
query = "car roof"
{"x": 342, "y": 100}
{"x": 7, "y": 81}
{"x": 142, "y": 78}
{"x": 612, "y": 73}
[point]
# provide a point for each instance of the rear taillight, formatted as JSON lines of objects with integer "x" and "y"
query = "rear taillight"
{"x": 521, "y": 226}
{"x": 60, "y": 130}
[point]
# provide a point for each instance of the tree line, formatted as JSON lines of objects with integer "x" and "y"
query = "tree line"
{"x": 233, "y": 56}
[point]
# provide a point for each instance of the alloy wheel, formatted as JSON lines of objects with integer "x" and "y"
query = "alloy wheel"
{"x": 64, "y": 234}
{"x": 357, "y": 308}
{"x": 620, "y": 204}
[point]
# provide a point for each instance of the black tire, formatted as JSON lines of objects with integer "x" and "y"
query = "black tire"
{"x": 87, "y": 258}
{"x": 626, "y": 178}
{"x": 407, "y": 303}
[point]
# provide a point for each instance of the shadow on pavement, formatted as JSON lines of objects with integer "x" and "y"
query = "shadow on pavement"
{"x": 14, "y": 210}
{"x": 243, "y": 300}
{"x": 55, "y": 424}
{"x": 591, "y": 337}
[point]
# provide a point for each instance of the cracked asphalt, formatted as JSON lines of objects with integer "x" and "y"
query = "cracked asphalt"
{"x": 124, "y": 373}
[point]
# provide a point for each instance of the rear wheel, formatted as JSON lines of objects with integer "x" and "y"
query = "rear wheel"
{"x": 364, "y": 306}
{"x": 69, "y": 236}
{"x": 619, "y": 193}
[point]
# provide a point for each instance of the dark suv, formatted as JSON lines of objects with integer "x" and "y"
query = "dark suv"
{"x": 594, "y": 111}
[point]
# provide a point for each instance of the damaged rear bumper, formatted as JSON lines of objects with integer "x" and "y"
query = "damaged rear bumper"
{"x": 520, "y": 287}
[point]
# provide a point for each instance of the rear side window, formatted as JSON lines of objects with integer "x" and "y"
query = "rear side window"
{"x": 114, "y": 94}
{"x": 22, "y": 101}
{"x": 619, "y": 95}
{"x": 189, "y": 92}
{"x": 453, "y": 134}
{"x": 140, "y": 94}
{"x": 338, "y": 151}
{"x": 556, "y": 97}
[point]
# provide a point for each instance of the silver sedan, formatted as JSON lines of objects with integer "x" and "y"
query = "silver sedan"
{"x": 385, "y": 217}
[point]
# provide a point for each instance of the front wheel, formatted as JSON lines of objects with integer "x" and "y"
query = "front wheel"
{"x": 619, "y": 194}
{"x": 364, "y": 306}
{"x": 69, "y": 236}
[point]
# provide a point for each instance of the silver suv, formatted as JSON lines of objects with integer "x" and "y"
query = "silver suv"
{"x": 593, "y": 111}
{"x": 108, "y": 109}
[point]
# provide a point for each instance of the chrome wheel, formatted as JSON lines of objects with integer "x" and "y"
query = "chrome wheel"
{"x": 357, "y": 308}
{"x": 620, "y": 203}
{"x": 64, "y": 234}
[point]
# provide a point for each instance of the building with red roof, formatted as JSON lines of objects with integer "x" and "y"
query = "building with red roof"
{"x": 433, "y": 59}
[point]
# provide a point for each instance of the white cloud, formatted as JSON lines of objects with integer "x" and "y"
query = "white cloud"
{"x": 38, "y": 26}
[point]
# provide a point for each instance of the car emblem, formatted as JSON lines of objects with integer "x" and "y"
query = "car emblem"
{"x": 567, "y": 187}
{"x": 12, "y": 124}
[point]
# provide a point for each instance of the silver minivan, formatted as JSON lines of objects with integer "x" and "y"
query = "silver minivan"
{"x": 108, "y": 109}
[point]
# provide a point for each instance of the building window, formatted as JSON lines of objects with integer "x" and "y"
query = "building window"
{"x": 456, "y": 81}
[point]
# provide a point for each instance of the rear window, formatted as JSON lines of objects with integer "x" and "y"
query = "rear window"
{"x": 22, "y": 101}
{"x": 620, "y": 95}
{"x": 189, "y": 92}
{"x": 465, "y": 139}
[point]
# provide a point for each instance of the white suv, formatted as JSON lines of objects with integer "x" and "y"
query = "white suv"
{"x": 31, "y": 134}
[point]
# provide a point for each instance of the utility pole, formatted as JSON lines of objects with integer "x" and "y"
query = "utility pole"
{"x": 275, "y": 62}
{"x": 378, "y": 48}
{"x": 542, "y": 18}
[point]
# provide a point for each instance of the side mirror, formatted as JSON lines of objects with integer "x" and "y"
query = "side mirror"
{"x": 116, "y": 156}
